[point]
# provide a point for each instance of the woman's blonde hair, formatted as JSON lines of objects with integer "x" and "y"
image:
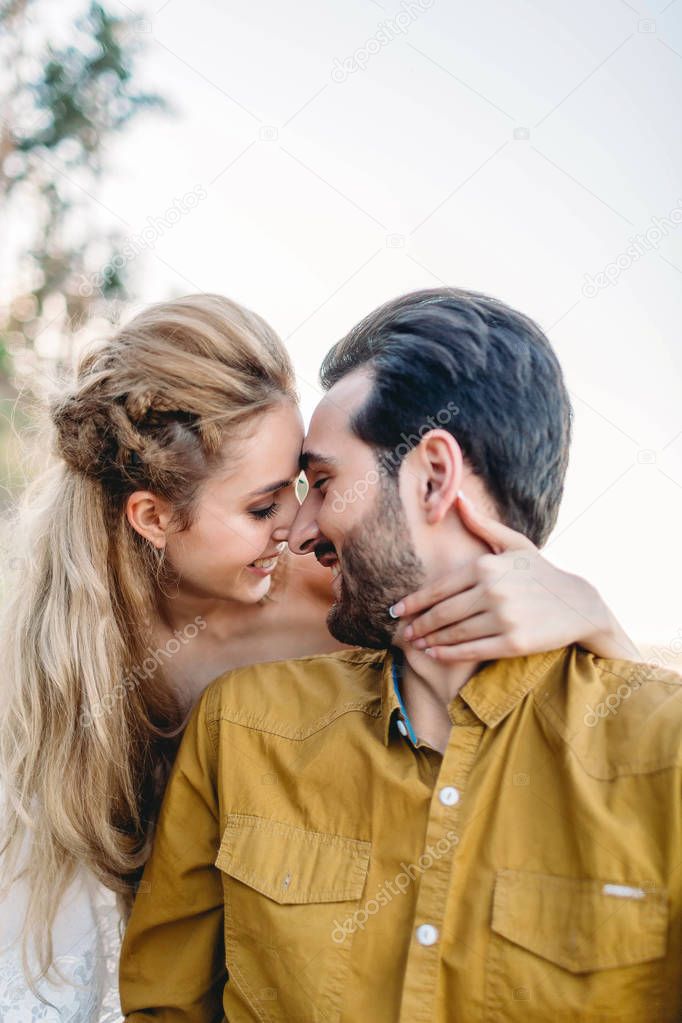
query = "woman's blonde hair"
{"x": 86, "y": 744}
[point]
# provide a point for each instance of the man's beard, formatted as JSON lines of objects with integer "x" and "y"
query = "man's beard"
{"x": 380, "y": 566}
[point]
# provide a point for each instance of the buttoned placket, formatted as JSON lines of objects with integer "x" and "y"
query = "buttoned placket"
{"x": 439, "y": 859}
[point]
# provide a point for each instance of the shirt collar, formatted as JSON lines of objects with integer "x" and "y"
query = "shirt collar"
{"x": 498, "y": 686}
{"x": 391, "y": 700}
{"x": 492, "y": 693}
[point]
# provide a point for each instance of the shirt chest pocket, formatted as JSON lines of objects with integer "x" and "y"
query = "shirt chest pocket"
{"x": 288, "y": 892}
{"x": 566, "y": 949}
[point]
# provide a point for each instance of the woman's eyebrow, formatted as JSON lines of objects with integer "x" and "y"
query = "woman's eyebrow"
{"x": 279, "y": 485}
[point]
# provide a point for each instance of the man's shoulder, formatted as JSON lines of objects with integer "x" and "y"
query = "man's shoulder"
{"x": 297, "y": 697}
{"x": 617, "y": 716}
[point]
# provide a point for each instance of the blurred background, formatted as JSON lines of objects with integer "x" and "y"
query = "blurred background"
{"x": 313, "y": 161}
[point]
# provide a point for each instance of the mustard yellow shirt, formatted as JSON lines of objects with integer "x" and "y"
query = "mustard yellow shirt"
{"x": 314, "y": 862}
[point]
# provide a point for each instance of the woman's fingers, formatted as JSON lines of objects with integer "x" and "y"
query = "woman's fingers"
{"x": 437, "y": 598}
{"x": 479, "y": 626}
{"x": 490, "y": 649}
{"x": 447, "y": 612}
{"x": 498, "y": 536}
{"x": 455, "y": 582}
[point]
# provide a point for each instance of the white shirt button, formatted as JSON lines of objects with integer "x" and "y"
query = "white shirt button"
{"x": 427, "y": 934}
{"x": 402, "y": 727}
{"x": 449, "y": 795}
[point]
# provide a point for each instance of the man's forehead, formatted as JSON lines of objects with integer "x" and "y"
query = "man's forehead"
{"x": 329, "y": 424}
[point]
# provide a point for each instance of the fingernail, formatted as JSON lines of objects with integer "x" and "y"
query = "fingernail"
{"x": 409, "y": 632}
{"x": 430, "y": 652}
{"x": 396, "y": 610}
{"x": 462, "y": 496}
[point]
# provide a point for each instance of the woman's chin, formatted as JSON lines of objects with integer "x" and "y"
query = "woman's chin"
{"x": 245, "y": 587}
{"x": 254, "y": 588}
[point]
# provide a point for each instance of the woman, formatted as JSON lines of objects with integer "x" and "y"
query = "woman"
{"x": 154, "y": 559}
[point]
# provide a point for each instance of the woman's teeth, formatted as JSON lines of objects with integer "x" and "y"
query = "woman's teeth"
{"x": 265, "y": 562}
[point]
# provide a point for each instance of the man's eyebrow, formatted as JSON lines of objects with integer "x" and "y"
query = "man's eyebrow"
{"x": 270, "y": 489}
{"x": 308, "y": 457}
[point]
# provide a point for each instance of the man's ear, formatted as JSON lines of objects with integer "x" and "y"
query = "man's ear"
{"x": 149, "y": 515}
{"x": 442, "y": 468}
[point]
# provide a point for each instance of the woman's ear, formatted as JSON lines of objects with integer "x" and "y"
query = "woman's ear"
{"x": 442, "y": 464}
{"x": 149, "y": 515}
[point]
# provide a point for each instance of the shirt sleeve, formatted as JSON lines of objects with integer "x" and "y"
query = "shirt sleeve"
{"x": 172, "y": 961}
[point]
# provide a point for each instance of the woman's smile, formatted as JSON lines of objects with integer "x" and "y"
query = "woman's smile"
{"x": 267, "y": 565}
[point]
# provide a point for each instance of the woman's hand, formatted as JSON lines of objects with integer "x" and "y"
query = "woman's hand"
{"x": 508, "y": 603}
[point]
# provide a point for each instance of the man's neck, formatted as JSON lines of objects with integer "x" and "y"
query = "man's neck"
{"x": 427, "y": 688}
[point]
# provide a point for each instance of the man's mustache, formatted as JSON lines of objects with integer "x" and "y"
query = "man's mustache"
{"x": 322, "y": 548}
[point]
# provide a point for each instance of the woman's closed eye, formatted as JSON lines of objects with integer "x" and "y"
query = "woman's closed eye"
{"x": 265, "y": 513}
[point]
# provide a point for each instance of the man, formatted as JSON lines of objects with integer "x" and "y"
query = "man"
{"x": 375, "y": 836}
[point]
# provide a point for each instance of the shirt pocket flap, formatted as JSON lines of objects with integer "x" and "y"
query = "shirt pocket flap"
{"x": 581, "y": 925}
{"x": 291, "y": 865}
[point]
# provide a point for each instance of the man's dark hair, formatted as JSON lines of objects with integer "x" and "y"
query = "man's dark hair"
{"x": 468, "y": 364}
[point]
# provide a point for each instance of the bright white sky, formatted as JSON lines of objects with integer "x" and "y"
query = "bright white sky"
{"x": 324, "y": 197}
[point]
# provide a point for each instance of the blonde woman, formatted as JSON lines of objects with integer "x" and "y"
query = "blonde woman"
{"x": 152, "y": 558}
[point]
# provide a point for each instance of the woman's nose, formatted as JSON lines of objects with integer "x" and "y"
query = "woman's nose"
{"x": 285, "y": 518}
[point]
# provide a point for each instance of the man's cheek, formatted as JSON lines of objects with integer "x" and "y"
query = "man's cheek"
{"x": 354, "y": 496}
{"x": 338, "y": 516}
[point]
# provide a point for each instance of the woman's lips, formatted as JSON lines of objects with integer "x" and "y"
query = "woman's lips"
{"x": 267, "y": 565}
{"x": 264, "y": 566}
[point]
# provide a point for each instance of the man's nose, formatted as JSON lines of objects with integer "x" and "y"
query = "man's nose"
{"x": 304, "y": 533}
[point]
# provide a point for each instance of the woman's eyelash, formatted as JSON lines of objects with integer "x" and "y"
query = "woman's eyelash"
{"x": 320, "y": 482}
{"x": 265, "y": 513}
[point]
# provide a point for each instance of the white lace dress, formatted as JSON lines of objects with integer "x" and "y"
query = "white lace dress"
{"x": 87, "y": 946}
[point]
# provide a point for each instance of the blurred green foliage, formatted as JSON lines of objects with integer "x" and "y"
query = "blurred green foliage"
{"x": 63, "y": 104}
